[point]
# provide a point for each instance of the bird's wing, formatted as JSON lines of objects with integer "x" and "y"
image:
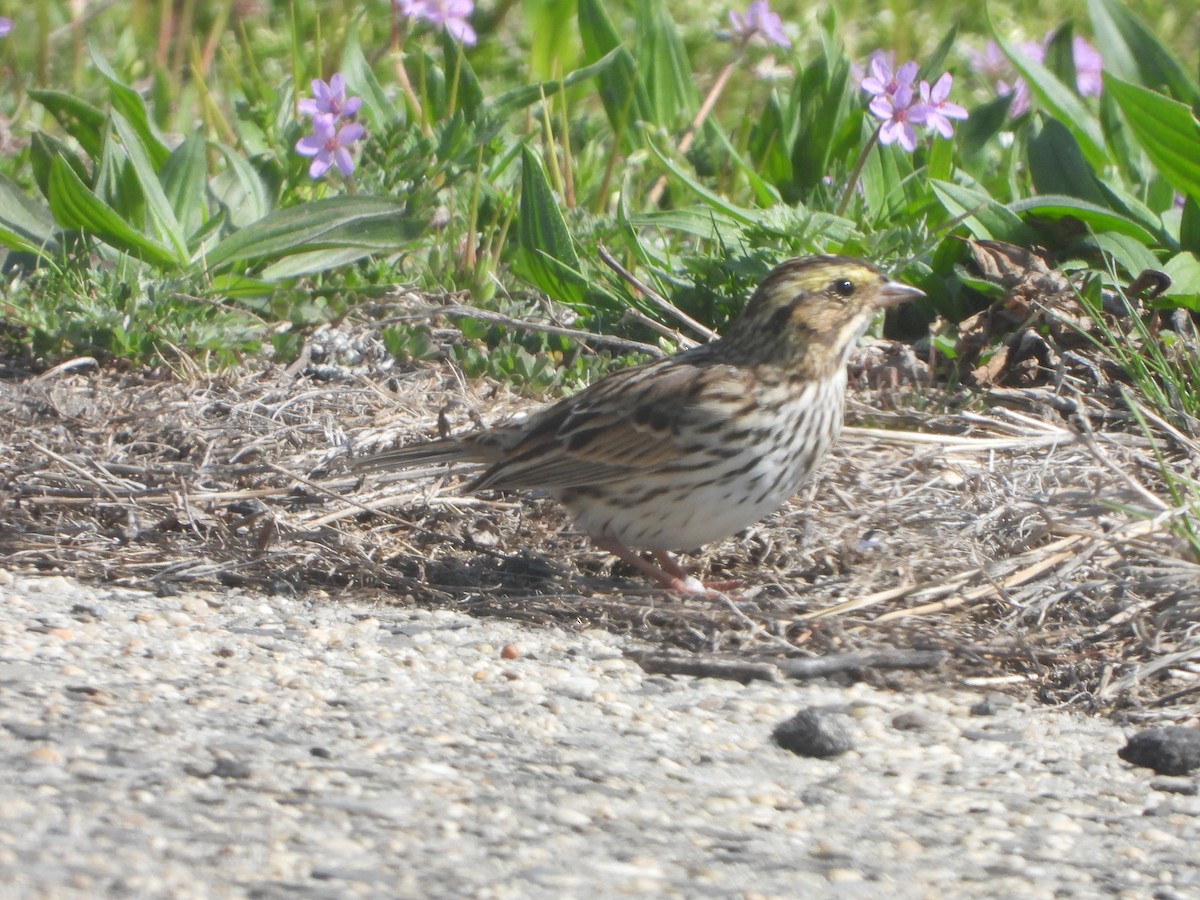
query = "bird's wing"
{"x": 637, "y": 420}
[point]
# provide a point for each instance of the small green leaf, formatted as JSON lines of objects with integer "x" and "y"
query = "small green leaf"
{"x": 27, "y": 223}
{"x": 820, "y": 105}
{"x": 983, "y": 124}
{"x": 469, "y": 96}
{"x": 1056, "y": 163}
{"x": 184, "y": 176}
{"x": 547, "y": 26}
{"x": 1184, "y": 272}
{"x": 546, "y": 254}
{"x": 1129, "y": 253}
{"x": 80, "y": 120}
{"x": 240, "y": 190}
{"x": 361, "y": 81}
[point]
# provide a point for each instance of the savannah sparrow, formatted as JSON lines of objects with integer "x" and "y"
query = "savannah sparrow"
{"x": 678, "y": 452}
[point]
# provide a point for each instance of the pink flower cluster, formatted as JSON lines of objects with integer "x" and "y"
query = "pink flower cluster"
{"x": 449, "y": 14}
{"x": 334, "y": 131}
{"x": 758, "y": 23}
{"x": 902, "y": 104}
{"x": 993, "y": 65}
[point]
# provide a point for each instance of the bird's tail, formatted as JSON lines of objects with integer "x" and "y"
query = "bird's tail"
{"x": 432, "y": 453}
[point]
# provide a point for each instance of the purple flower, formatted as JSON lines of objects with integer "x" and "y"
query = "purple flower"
{"x": 882, "y": 82}
{"x": 938, "y": 110}
{"x": 991, "y": 62}
{"x": 994, "y": 66}
{"x": 329, "y": 145}
{"x": 1021, "y": 98}
{"x": 899, "y": 114}
{"x": 758, "y": 22}
{"x": 894, "y": 99}
{"x": 5, "y": 26}
{"x": 329, "y": 99}
{"x": 449, "y": 14}
{"x": 1088, "y": 68}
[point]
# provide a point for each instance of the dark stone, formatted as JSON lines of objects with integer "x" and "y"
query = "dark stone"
{"x": 913, "y": 720}
{"x": 1173, "y": 750}
{"x": 812, "y": 732}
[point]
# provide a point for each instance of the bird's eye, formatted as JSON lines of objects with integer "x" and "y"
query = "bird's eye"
{"x": 843, "y": 286}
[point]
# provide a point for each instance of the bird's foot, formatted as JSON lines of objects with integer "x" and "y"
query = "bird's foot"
{"x": 670, "y": 574}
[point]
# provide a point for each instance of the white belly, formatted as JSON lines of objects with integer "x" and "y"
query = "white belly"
{"x": 688, "y": 509}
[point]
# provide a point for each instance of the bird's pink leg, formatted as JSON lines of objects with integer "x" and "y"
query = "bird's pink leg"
{"x": 673, "y": 568}
{"x": 668, "y": 573}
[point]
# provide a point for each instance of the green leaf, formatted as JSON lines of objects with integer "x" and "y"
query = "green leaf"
{"x": 820, "y": 105}
{"x": 1060, "y": 101}
{"x": 548, "y": 25}
{"x": 663, "y": 64}
{"x": 76, "y": 207}
{"x": 545, "y": 252}
{"x": 80, "y": 120}
{"x": 518, "y": 98}
{"x": 1184, "y": 271}
{"x": 1098, "y": 218}
{"x": 310, "y": 262}
{"x": 983, "y": 217}
{"x": 361, "y": 82}
{"x": 184, "y": 177}
{"x": 1056, "y": 163}
{"x": 240, "y": 190}
{"x": 884, "y": 177}
{"x": 1128, "y": 252}
{"x": 43, "y": 148}
{"x": 764, "y": 192}
{"x": 1059, "y": 57}
{"x": 622, "y": 91}
{"x": 716, "y": 201}
{"x": 769, "y": 149}
{"x": 162, "y": 215}
{"x": 27, "y": 224}
{"x": 1166, "y": 129}
{"x": 469, "y": 97}
{"x": 934, "y": 63}
{"x": 1189, "y": 226}
{"x": 700, "y": 221}
{"x": 1133, "y": 53}
{"x": 129, "y": 103}
{"x": 371, "y": 224}
{"x": 983, "y": 123}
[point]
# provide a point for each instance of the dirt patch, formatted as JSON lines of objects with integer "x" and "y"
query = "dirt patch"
{"x": 1028, "y": 542}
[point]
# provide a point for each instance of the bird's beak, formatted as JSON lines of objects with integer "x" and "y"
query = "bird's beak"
{"x": 893, "y": 293}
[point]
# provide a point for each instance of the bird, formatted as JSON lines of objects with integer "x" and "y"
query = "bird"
{"x": 679, "y": 452}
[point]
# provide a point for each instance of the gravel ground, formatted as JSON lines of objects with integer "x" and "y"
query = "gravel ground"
{"x": 231, "y": 744}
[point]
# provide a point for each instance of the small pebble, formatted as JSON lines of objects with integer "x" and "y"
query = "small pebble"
{"x": 815, "y": 733}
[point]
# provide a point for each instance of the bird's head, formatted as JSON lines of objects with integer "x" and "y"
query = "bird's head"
{"x": 808, "y": 312}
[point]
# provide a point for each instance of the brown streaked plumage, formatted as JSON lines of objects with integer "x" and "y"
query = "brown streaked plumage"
{"x": 681, "y": 451}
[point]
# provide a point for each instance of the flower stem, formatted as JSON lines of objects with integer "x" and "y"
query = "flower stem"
{"x": 857, "y": 171}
